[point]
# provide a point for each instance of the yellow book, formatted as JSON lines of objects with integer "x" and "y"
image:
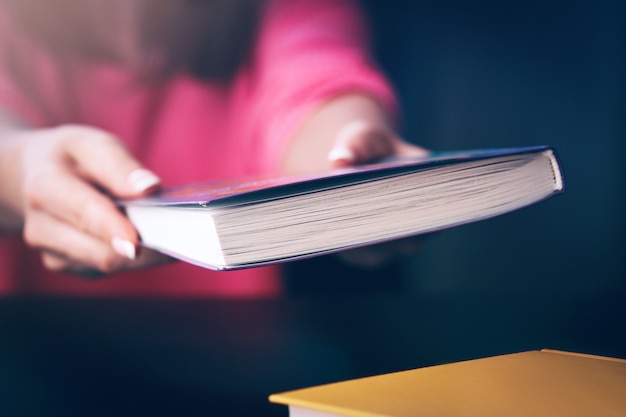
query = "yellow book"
{"x": 534, "y": 383}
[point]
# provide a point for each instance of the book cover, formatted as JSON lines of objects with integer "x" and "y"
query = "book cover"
{"x": 259, "y": 188}
{"x": 534, "y": 383}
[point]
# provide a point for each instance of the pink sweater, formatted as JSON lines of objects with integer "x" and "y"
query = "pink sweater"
{"x": 189, "y": 130}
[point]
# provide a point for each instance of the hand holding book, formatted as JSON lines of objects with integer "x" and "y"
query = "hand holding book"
{"x": 361, "y": 142}
{"x": 61, "y": 183}
{"x": 357, "y": 131}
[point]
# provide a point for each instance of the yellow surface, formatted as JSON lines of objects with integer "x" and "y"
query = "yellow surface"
{"x": 535, "y": 383}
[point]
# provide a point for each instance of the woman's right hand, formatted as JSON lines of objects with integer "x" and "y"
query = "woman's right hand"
{"x": 67, "y": 180}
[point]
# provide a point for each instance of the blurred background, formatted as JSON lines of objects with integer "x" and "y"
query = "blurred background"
{"x": 491, "y": 74}
{"x": 469, "y": 75}
{"x": 498, "y": 74}
{"x": 494, "y": 74}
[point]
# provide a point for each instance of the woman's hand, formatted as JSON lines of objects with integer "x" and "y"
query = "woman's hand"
{"x": 66, "y": 179}
{"x": 360, "y": 142}
{"x": 352, "y": 130}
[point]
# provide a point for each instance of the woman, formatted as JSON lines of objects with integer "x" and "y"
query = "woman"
{"x": 112, "y": 99}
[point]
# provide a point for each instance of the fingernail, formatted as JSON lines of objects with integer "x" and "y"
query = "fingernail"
{"x": 142, "y": 179}
{"x": 124, "y": 248}
{"x": 340, "y": 154}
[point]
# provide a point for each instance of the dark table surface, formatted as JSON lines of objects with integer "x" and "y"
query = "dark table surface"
{"x": 101, "y": 357}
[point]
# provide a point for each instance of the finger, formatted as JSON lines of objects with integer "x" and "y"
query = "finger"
{"x": 359, "y": 141}
{"x": 403, "y": 148}
{"x": 68, "y": 198}
{"x": 381, "y": 254}
{"x": 365, "y": 258}
{"x": 54, "y": 261}
{"x": 103, "y": 159}
{"x": 69, "y": 248}
{"x": 148, "y": 257}
{"x": 57, "y": 262}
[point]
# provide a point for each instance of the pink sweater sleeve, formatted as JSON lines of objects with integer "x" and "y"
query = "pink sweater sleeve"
{"x": 308, "y": 51}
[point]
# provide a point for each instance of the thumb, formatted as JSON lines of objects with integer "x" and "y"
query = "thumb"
{"x": 361, "y": 141}
{"x": 358, "y": 142}
{"x": 102, "y": 158}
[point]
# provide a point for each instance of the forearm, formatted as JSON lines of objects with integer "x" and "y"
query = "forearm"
{"x": 11, "y": 203}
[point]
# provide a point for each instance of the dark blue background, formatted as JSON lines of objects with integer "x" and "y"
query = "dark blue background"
{"x": 492, "y": 74}
{"x": 489, "y": 74}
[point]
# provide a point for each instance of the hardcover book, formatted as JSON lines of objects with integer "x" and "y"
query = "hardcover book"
{"x": 257, "y": 221}
{"x": 534, "y": 383}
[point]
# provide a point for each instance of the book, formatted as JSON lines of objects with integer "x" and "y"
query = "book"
{"x": 249, "y": 222}
{"x": 534, "y": 383}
